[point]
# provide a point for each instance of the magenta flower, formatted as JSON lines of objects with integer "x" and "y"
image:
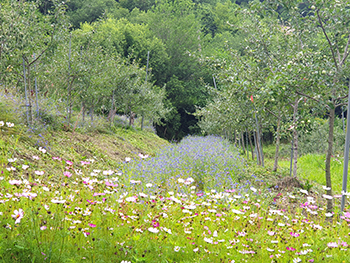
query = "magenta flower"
{"x": 92, "y": 225}
{"x": 291, "y": 248}
{"x": 155, "y": 223}
{"x": 294, "y": 234}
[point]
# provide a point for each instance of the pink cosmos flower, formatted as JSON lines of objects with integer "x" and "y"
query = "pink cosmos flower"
{"x": 68, "y": 174}
{"x": 69, "y": 162}
{"x": 344, "y": 244}
{"x": 15, "y": 182}
{"x": 111, "y": 184}
{"x": 332, "y": 244}
{"x": 155, "y": 223}
{"x": 97, "y": 194}
{"x": 92, "y": 225}
{"x": 291, "y": 248}
{"x": 43, "y": 227}
{"x": 294, "y": 234}
{"x": 18, "y": 215}
{"x": 271, "y": 233}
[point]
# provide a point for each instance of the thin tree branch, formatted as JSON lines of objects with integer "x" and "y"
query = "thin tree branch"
{"x": 346, "y": 52}
{"x": 271, "y": 112}
{"x": 341, "y": 104}
{"x": 329, "y": 42}
{"x": 314, "y": 99}
{"x": 342, "y": 97}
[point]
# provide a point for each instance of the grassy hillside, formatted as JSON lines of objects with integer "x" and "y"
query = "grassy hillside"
{"x": 108, "y": 145}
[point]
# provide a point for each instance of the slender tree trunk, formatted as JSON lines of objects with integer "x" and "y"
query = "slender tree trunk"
{"x": 142, "y": 121}
{"x": 242, "y": 135}
{"x": 235, "y": 138}
{"x": 261, "y": 146}
{"x": 83, "y": 106}
{"x": 239, "y": 142}
{"x": 258, "y": 150}
{"x": 92, "y": 113}
{"x": 275, "y": 165}
{"x": 251, "y": 144}
{"x": 295, "y": 136}
{"x": 112, "y": 111}
{"x": 30, "y": 96}
{"x": 246, "y": 143}
{"x": 328, "y": 158}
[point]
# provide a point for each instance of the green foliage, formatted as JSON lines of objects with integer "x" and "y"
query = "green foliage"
{"x": 82, "y": 11}
{"x": 312, "y": 141}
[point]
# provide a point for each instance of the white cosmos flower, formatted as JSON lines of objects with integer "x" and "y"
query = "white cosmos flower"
{"x": 25, "y": 167}
{"x": 237, "y": 212}
{"x": 109, "y": 172}
{"x": 1, "y": 123}
{"x": 166, "y": 230}
{"x": 177, "y": 249}
{"x": 142, "y": 195}
{"x": 127, "y": 159}
{"x": 57, "y": 201}
{"x": 253, "y": 189}
{"x": 135, "y": 182}
{"x": 43, "y": 150}
{"x": 328, "y": 214}
{"x": 327, "y": 197}
{"x": 208, "y": 240}
{"x": 326, "y": 188}
{"x": 12, "y": 160}
{"x": 131, "y": 199}
{"x": 39, "y": 172}
{"x": 153, "y": 230}
{"x": 304, "y": 191}
{"x": 149, "y": 185}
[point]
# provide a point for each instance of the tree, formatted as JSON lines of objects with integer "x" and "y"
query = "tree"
{"x": 24, "y": 32}
{"x": 325, "y": 30}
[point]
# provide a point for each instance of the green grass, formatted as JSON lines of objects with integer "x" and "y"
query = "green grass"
{"x": 310, "y": 166}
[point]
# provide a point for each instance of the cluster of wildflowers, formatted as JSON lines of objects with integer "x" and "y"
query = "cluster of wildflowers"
{"x": 120, "y": 215}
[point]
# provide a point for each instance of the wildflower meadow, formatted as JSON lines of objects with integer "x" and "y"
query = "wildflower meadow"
{"x": 195, "y": 201}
